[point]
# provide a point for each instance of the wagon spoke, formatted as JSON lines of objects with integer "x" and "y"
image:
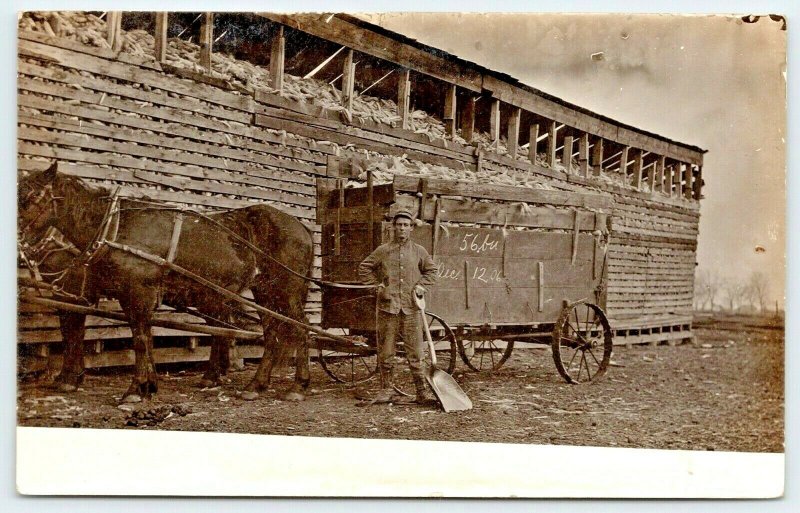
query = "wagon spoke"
{"x": 592, "y": 331}
{"x": 572, "y": 340}
{"x": 588, "y": 313}
{"x": 593, "y": 356}
{"x": 491, "y": 351}
{"x": 576, "y": 332}
{"x": 588, "y": 369}
{"x": 596, "y": 323}
{"x": 569, "y": 365}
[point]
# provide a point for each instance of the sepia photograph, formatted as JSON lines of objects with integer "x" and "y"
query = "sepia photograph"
{"x": 479, "y": 236}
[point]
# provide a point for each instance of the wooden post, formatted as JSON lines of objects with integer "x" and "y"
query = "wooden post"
{"x": 583, "y": 155}
{"x": 533, "y": 143}
{"x": 660, "y": 173}
{"x": 623, "y": 162}
{"x": 687, "y": 186}
{"x": 677, "y": 179}
{"x": 566, "y": 155}
{"x": 277, "y": 58}
{"x": 468, "y": 119}
{"x": 668, "y": 178}
{"x": 651, "y": 176}
{"x": 437, "y": 208}
{"x": 637, "y": 169}
{"x": 450, "y": 111}
{"x": 422, "y": 192}
{"x": 348, "y": 82}
{"x": 597, "y": 157}
{"x": 466, "y": 284}
{"x": 162, "y": 24}
{"x": 371, "y": 212}
{"x": 698, "y": 184}
{"x": 551, "y": 144}
{"x": 114, "y": 23}
{"x": 494, "y": 122}
{"x": 337, "y": 229}
{"x": 206, "y": 39}
{"x": 513, "y": 132}
{"x": 541, "y": 286}
{"x": 576, "y": 220}
{"x": 404, "y": 99}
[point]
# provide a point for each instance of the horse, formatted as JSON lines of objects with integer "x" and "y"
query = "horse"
{"x": 257, "y": 247}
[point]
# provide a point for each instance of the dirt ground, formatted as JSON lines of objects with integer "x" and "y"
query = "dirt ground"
{"x": 724, "y": 392}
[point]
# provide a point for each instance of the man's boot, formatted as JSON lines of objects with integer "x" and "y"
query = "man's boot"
{"x": 424, "y": 397}
{"x": 386, "y": 393}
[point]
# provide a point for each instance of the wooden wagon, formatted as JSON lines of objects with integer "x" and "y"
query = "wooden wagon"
{"x": 514, "y": 265}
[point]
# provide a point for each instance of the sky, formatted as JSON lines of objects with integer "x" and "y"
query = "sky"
{"x": 711, "y": 81}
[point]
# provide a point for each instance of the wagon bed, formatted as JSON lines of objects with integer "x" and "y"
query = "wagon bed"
{"x": 513, "y": 265}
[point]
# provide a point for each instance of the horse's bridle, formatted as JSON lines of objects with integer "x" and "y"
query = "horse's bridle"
{"x": 45, "y": 193}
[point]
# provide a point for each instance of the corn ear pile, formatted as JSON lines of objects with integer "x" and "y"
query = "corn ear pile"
{"x": 92, "y": 30}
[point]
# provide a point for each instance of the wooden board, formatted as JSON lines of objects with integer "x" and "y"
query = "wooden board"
{"x": 133, "y": 74}
{"x": 484, "y": 276}
{"x": 338, "y": 30}
{"x": 502, "y": 192}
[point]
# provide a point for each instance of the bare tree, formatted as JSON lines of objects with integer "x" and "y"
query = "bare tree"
{"x": 749, "y": 296}
{"x": 707, "y": 287}
{"x": 735, "y": 293}
{"x": 759, "y": 283}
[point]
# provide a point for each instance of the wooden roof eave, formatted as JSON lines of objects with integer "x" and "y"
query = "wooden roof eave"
{"x": 381, "y": 44}
{"x": 377, "y": 45}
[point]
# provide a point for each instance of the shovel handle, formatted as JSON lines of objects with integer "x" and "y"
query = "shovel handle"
{"x": 420, "y": 300}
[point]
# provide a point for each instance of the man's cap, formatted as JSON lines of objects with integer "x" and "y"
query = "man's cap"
{"x": 403, "y": 213}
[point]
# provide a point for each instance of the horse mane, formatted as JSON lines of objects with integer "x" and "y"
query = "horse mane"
{"x": 84, "y": 205}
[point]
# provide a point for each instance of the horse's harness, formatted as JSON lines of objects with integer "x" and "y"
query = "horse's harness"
{"x": 106, "y": 238}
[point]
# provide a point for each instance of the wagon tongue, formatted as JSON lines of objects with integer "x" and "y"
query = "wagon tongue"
{"x": 444, "y": 386}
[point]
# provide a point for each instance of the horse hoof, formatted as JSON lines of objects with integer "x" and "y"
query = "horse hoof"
{"x": 294, "y": 397}
{"x": 132, "y": 398}
{"x": 249, "y": 396}
{"x": 66, "y": 387}
{"x": 207, "y": 383}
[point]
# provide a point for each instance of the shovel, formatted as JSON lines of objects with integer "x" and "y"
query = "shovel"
{"x": 444, "y": 386}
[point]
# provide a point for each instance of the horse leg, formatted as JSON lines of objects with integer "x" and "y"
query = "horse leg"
{"x": 274, "y": 352}
{"x": 73, "y": 329}
{"x": 297, "y": 338}
{"x": 302, "y": 375}
{"x": 286, "y": 337}
{"x": 218, "y": 362}
{"x": 234, "y": 361}
{"x": 139, "y": 307}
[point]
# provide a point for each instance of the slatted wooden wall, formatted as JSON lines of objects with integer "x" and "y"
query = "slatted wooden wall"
{"x": 179, "y": 136}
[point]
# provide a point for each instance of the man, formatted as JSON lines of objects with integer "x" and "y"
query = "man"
{"x": 400, "y": 269}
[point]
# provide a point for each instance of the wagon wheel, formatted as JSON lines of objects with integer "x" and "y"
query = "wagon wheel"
{"x": 347, "y": 368}
{"x": 444, "y": 340}
{"x": 582, "y": 342}
{"x": 485, "y": 355}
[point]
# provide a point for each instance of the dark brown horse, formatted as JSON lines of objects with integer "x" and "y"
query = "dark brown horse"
{"x": 250, "y": 248}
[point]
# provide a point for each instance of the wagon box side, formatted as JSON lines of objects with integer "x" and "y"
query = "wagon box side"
{"x": 500, "y": 261}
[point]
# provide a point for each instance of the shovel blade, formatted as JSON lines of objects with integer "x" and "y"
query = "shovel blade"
{"x": 447, "y": 391}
